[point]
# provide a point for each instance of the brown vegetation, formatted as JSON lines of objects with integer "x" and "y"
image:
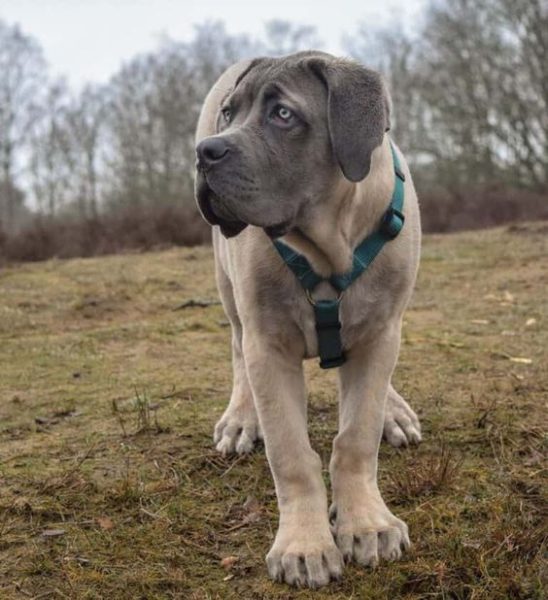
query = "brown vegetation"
{"x": 110, "y": 486}
{"x": 125, "y": 230}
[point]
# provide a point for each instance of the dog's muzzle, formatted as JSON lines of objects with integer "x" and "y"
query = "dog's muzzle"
{"x": 206, "y": 199}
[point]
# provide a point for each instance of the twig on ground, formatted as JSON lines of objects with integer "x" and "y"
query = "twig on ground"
{"x": 193, "y": 302}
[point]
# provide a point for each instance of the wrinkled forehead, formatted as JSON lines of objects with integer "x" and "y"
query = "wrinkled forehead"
{"x": 282, "y": 79}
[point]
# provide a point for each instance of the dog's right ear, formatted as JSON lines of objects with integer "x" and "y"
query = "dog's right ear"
{"x": 357, "y": 112}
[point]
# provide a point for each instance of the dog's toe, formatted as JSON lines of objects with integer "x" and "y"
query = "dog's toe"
{"x": 366, "y": 545}
{"x": 305, "y": 569}
{"x": 401, "y": 424}
{"x": 246, "y": 442}
{"x": 232, "y": 436}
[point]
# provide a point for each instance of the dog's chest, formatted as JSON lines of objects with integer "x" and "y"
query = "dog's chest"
{"x": 364, "y": 309}
{"x": 272, "y": 303}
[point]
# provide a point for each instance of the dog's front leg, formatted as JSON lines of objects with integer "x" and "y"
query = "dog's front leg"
{"x": 364, "y": 528}
{"x": 304, "y": 552}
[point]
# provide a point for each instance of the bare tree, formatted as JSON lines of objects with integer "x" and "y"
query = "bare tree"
{"x": 392, "y": 51}
{"x": 483, "y": 76}
{"x": 148, "y": 108}
{"x": 153, "y": 107}
{"x": 22, "y": 80}
{"x": 470, "y": 91}
{"x": 522, "y": 86}
{"x": 50, "y": 152}
{"x": 283, "y": 37}
{"x": 85, "y": 128}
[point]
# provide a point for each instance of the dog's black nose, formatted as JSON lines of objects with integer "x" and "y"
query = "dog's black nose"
{"x": 212, "y": 150}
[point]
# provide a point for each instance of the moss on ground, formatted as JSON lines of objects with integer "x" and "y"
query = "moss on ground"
{"x": 109, "y": 484}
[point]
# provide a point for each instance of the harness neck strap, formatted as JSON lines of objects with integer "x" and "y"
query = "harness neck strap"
{"x": 326, "y": 312}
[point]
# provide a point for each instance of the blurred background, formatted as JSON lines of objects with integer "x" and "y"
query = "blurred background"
{"x": 99, "y": 102}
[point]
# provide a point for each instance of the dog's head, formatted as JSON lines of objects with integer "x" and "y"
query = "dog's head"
{"x": 287, "y": 134}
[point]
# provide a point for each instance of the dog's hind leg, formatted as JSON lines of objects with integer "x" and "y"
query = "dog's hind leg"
{"x": 401, "y": 424}
{"x": 238, "y": 429}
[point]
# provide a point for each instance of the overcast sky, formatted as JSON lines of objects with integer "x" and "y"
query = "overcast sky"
{"x": 87, "y": 40}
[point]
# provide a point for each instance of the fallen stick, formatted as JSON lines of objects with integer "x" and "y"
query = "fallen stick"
{"x": 199, "y": 303}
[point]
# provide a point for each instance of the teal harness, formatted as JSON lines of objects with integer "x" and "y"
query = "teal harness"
{"x": 326, "y": 312}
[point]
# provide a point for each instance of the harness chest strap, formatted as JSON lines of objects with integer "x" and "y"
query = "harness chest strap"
{"x": 326, "y": 312}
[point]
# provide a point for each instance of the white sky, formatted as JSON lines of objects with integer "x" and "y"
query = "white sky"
{"x": 87, "y": 40}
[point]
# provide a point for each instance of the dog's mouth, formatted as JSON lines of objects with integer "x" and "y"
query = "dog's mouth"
{"x": 279, "y": 230}
{"x": 207, "y": 200}
{"x": 215, "y": 212}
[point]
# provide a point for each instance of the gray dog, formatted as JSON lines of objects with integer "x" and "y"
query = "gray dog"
{"x": 296, "y": 170}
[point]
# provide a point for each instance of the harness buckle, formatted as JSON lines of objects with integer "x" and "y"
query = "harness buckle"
{"x": 313, "y": 302}
{"x": 392, "y": 223}
{"x": 328, "y": 330}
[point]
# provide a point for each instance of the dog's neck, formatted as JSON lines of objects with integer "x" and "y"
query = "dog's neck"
{"x": 334, "y": 228}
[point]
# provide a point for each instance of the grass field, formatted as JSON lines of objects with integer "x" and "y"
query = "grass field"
{"x": 109, "y": 483}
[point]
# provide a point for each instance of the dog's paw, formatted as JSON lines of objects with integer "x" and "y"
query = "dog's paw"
{"x": 369, "y": 536}
{"x": 237, "y": 432}
{"x": 302, "y": 561}
{"x": 401, "y": 424}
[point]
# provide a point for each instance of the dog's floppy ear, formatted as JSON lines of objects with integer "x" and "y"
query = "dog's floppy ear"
{"x": 357, "y": 112}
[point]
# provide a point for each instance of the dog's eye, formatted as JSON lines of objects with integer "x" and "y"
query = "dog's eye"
{"x": 282, "y": 113}
{"x": 227, "y": 114}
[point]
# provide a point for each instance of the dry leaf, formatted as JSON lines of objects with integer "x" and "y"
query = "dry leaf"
{"x": 228, "y": 577}
{"x": 105, "y": 523}
{"x": 228, "y": 561}
{"x": 53, "y": 532}
{"x": 521, "y": 360}
{"x": 530, "y": 322}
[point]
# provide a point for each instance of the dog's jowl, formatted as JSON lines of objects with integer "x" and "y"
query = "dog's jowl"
{"x": 317, "y": 239}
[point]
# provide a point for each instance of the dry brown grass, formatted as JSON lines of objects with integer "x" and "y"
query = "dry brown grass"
{"x": 424, "y": 475}
{"x": 109, "y": 484}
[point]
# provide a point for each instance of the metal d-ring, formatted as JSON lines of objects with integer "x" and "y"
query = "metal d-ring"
{"x": 313, "y": 302}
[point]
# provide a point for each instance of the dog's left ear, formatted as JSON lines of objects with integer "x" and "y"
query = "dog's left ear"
{"x": 358, "y": 112}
